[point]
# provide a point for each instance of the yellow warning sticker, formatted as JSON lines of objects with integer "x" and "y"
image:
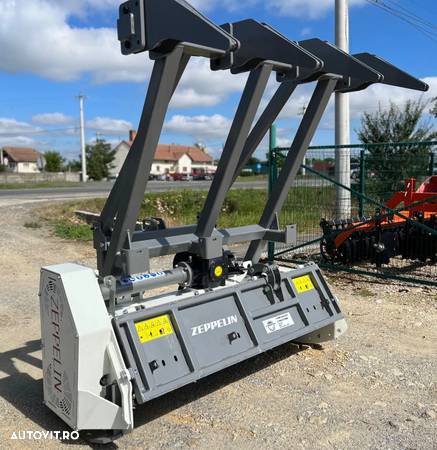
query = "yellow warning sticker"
{"x": 151, "y": 329}
{"x": 303, "y": 284}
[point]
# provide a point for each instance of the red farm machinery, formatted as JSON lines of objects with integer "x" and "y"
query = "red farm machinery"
{"x": 406, "y": 227}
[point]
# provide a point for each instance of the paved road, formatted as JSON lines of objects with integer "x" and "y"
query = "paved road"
{"x": 103, "y": 189}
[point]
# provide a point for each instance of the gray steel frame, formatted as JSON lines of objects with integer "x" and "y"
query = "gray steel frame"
{"x": 245, "y": 46}
{"x": 305, "y": 133}
{"x": 129, "y": 192}
{"x": 354, "y": 73}
{"x": 252, "y": 95}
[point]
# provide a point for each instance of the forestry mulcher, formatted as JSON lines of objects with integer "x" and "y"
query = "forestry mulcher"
{"x": 108, "y": 344}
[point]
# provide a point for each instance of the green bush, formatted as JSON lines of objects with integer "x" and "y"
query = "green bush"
{"x": 73, "y": 231}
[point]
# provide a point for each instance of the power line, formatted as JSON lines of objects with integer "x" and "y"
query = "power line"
{"x": 423, "y": 26}
{"x": 412, "y": 15}
{"x": 420, "y": 5}
{"x": 417, "y": 22}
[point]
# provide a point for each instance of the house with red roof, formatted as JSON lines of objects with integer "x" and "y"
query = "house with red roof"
{"x": 169, "y": 159}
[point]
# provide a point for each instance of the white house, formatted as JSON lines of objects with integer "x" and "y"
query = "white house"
{"x": 21, "y": 159}
{"x": 169, "y": 159}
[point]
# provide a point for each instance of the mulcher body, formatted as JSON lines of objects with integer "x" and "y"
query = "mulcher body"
{"x": 108, "y": 342}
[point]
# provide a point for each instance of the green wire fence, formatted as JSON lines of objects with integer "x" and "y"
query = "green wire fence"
{"x": 377, "y": 171}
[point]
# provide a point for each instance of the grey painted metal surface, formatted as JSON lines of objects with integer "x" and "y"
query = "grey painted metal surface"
{"x": 252, "y": 95}
{"x": 340, "y": 63}
{"x": 174, "y": 22}
{"x": 392, "y": 75}
{"x": 161, "y": 87}
{"x": 214, "y": 330}
{"x": 143, "y": 282}
{"x": 263, "y": 124}
{"x": 299, "y": 147}
{"x": 184, "y": 239}
{"x": 260, "y": 43}
{"x": 262, "y": 49}
{"x": 79, "y": 347}
{"x": 345, "y": 73}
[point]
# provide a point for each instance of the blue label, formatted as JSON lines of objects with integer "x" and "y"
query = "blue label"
{"x": 128, "y": 281}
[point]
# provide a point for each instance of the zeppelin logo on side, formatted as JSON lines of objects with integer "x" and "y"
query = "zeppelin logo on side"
{"x": 205, "y": 327}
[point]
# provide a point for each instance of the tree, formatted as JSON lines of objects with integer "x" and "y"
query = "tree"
{"x": 433, "y": 110}
{"x": 389, "y": 165}
{"x": 396, "y": 124}
{"x": 99, "y": 160}
{"x": 253, "y": 161}
{"x": 54, "y": 161}
{"x": 74, "y": 166}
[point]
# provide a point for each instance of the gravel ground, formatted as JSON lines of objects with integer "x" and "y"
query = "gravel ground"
{"x": 375, "y": 388}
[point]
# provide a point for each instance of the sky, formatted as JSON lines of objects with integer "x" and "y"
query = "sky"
{"x": 52, "y": 50}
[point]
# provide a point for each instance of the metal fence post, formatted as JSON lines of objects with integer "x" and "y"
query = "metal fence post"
{"x": 431, "y": 163}
{"x": 273, "y": 175}
{"x": 362, "y": 183}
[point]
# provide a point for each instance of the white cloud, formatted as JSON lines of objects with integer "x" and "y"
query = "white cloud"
{"x": 380, "y": 94}
{"x": 50, "y": 47}
{"x": 362, "y": 101}
{"x": 200, "y": 128}
{"x": 310, "y": 9}
{"x": 187, "y": 98}
{"x": 306, "y": 31}
{"x": 10, "y": 127}
{"x": 16, "y": 133}
{"x": 56, "y": 118}
{"x": 202, "y": 87}
{"x": 38, "y": 39}
{"x": 17, "y": 141}
{"x": 82, "y": 8}
{"x": 109, "y": 126}
{"x": 229, "y": 5}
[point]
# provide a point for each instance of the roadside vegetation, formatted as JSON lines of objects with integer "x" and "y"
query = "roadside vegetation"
{"x": 40, "y": 185}
{"x": 241, "y": 207}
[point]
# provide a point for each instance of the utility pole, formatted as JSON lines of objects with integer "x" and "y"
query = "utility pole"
{"x": 342, "y": 118}
{"x": 304, "y": 162}
{"x": 82, "y": 139}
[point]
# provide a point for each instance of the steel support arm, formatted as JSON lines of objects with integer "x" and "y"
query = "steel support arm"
{"x": 117, "y": 193}
{"x": 265, "y": 121}
{"x": 305, "y": 133}
{"x": 249, "y": 103}
{"x": 160, "y": 244}
{"x": 128, "y": 196}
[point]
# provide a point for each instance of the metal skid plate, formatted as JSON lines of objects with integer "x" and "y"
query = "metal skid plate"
{"x": 170, "y": 342}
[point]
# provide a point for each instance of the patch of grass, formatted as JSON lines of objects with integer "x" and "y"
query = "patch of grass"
{"x": 306, "y": 206}
{"x": 252, "y": 178}
{"x": 33, "y": 225}
{"x": 73, "y": 231}
{"x": 40, "y": 185}
{"x": 241, "y": 207}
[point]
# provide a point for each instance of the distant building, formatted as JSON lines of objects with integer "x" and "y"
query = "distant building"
{"x": 168, "y": 159}
{"x": 21, "y": 159}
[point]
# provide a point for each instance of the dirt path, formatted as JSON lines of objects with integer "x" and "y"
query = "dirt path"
{"x": 376, "y": 388}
